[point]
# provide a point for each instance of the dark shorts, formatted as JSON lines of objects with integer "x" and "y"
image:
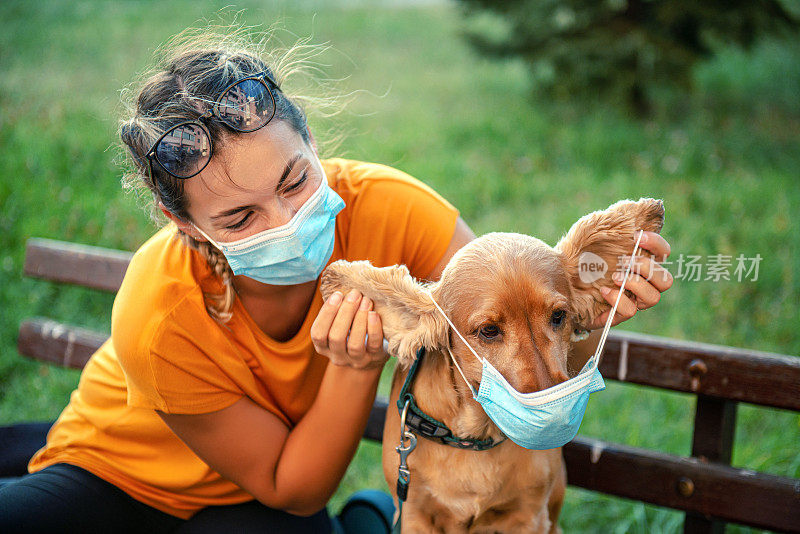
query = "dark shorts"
{"x": 65, "y": 498}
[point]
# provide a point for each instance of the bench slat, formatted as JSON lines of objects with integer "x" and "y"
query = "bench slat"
{"x": 53, "y": 342}
{"x": 72, "y": 263}
{"x": 728, "y": 493}
{"x": 377, "y": 416}
{"x": 717, "y": 371}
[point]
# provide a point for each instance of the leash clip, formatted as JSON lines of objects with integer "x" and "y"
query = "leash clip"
{"x": 403, "y": 473}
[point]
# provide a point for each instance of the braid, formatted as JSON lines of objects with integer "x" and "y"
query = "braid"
{"x": 219, "y": 305}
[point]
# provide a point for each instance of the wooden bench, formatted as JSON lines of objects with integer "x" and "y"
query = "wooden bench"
{"x": 705, "y": 486}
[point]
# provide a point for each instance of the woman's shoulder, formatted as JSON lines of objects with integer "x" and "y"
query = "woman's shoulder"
{"x": 163, "y": 275}
{"x": 352, "y": 178}
{"x": 357, "y": 171}
{"x": 164, "y": 259}
{"x": 390, "y": 216}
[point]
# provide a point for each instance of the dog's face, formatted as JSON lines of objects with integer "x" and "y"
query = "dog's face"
{"x": 509, "y": 296}
{"x": 515, "y": 299}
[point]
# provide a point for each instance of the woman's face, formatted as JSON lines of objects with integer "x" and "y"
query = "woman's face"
{"x": 255, "y": 182}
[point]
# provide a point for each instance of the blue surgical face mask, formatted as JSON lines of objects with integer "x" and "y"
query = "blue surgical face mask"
{"x": 293, "y": 253}
{"x": 544, "y": 419}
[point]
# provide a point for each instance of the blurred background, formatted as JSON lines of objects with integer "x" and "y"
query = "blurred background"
{"x": 525, "y": 118}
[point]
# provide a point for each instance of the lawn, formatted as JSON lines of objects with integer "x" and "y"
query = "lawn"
{"x": 726, "y": 164}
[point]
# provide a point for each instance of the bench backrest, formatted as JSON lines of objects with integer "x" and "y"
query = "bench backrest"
{"x": 704, "y": 485}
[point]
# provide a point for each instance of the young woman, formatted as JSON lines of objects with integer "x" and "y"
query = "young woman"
{"x": 229, "y": 396}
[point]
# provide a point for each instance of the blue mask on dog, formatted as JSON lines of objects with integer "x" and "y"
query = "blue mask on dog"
{"x": 545, "y": 419}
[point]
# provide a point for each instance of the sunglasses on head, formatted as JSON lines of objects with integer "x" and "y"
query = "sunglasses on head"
{"x": 244, "y": 106}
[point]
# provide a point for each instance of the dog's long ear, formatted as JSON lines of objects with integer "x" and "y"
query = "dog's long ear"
{"x": 408, "y": 315}
{"x": 593, "y": 246}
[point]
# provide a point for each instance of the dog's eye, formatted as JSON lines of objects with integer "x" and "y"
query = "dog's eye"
{"x": 489, "y": 331}
{"x": 557, "y": 319}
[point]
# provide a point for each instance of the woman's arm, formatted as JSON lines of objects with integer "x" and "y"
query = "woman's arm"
{"x": 298, "y": 470}
{"x": 461, "y": 236}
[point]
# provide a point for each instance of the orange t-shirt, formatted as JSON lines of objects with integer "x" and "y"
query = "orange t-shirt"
{"x": 167, "y": 353}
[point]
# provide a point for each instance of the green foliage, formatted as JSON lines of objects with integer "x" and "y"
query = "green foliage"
{"x": 619, "y": 50}
{"x": 726, "y": 168}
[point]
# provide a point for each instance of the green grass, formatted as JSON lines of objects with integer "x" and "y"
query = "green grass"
{"x": 725, "y": 164}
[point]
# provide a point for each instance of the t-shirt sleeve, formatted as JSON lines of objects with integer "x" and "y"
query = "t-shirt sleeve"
{"x": 400, "y": 220}
{"x": 172, "y": 373}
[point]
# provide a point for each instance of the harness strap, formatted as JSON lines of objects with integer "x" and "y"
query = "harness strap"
{"x": 429, "y": 427}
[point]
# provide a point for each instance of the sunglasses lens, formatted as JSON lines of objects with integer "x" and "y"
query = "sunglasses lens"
{"x": 184, "y": 151}
{"x": 247, "y": 106}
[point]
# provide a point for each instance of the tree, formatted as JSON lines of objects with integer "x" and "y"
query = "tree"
{"x": 620, "y": 49}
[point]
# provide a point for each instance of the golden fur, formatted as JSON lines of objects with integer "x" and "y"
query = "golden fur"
{"x": 513, "y": 282}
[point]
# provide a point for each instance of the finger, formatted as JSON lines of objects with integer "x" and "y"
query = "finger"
{"x": 356, "y": 343}
{"x": 375, "y": 333}
{"x": 600, "y": 320}
{"x": 650, "y": 270}
{"x": 322, "y": 324}
{"x": 656, "y": 244}
{"x": 654, "y": 273}
{"x": 646, "y": 294}
{"x": 625, "y": 310}
{"x": 337, "y": 336}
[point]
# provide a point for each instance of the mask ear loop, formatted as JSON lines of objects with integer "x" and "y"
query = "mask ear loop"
{"x": 202, "y": 233}
{"x": 462, "y": 339}
{"x": 474, "y": 393}
{"x": 599, "y": 352}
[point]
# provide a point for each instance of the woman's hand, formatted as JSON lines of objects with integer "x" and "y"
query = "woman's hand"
{"x": 647, "y": 280}
{"x": 351, "y": 314}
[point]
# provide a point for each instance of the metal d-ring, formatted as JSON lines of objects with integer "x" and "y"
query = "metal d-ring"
{"x": 403, "y": 422}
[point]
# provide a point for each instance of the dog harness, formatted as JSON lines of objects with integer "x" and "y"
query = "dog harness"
{"x": 429, "y": 427}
